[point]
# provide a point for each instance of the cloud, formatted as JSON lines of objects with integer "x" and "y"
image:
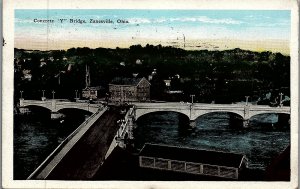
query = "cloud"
{"x": 139, "y": 21}
{"x": 203, "y": 19}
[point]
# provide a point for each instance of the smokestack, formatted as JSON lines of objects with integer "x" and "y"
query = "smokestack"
{"x": 87, "y": 76}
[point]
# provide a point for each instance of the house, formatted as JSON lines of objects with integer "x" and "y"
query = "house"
{"x": 92, "y": 92}
{"x": 129, "y": 89}
{"x": 192, "y": 161}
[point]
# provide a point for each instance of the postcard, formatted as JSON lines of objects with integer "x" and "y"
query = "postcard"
{"x": 127, "y": 94}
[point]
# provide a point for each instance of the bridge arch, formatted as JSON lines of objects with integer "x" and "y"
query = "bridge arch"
{"x": 161, "y": 111}
{"x": 38, "y": 108}
{"x": 56, "y": 105}
{"x": 228, "y": 119}
{"x": 281, "y": 120}
{"x": 206, "y": 112}
{"x": 177, "y": 118}
{"x": 142, "y": 112}
{"x": 85, "y": 108}
{"x": 38, "y": 112}
{"x": 253, "y": 114}
{"x": 156, "y": 128}
{"x": 75, "y": 110}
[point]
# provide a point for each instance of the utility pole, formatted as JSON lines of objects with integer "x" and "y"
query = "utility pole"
{"x": 59, "y": 78}
{"x": 246, "y": 100}
{"x": 280, "y": 100}
{"x": 53, "y": 92}
{"x": 21, "y": 94}
{"x": 76, "y": 91}
{"x": 87, "y": 76}
{"x": 43, "y": 97}
{"x": 192, "y": 96}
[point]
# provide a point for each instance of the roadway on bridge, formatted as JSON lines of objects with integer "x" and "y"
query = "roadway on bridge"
{"x": 85, "y": 158}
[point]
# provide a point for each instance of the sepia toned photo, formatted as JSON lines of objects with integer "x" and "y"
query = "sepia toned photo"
{"x": 150, "y": 94}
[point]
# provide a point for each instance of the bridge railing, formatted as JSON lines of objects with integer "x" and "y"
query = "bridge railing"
{"x": 124, "y": 125}
{"x": 62, "y": 145}
{"x": 36, "y": 102}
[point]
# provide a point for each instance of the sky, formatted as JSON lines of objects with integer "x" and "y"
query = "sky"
{"x": 189, "y": 29}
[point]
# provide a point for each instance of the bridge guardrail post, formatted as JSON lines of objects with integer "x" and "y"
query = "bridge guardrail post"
{"x": 130, "y": 127}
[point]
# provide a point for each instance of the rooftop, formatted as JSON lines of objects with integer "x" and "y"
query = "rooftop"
{"x": 125, "y": 81}
{"x": 94, "y": 88}
{"x": 192, "y": 155}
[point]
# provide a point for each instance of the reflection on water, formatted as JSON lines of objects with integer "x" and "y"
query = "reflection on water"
{"x": 260, "y": 142}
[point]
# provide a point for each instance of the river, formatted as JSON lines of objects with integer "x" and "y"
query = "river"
{"x": 35, "y": 139}
{"x": 260, "y": 142}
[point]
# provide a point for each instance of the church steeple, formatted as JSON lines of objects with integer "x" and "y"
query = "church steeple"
{"x": 87, "y": 76}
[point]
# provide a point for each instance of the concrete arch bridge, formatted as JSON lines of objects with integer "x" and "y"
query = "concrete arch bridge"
{"x": 193, "y": 111}
{"x": 55, "y": 105}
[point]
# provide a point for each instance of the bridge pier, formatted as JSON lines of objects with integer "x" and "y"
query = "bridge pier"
{"x": 192, "y": 123}
{"x": 53, "y": 105}
{"x": 245, "y": 123}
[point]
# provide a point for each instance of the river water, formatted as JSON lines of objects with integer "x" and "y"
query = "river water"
{"x": 35, "y": 139}
{"x": 261, "y": 142}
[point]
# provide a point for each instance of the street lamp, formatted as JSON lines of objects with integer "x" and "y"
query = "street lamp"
{"x": 21, "y": 94}
{"x": 192, "y": 96}
{"x": 76, "y": 91}
{"x": 53, "y": 92}
{"x": 43, "y": 97}
{"x": 280, "y": 100}
{"x": 246, "y": 100}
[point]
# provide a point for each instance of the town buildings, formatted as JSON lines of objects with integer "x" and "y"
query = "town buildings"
{"x": 124, "y": 90}
{"x": 92, "y": 92}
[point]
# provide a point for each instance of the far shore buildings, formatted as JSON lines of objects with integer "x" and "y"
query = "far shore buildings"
{"x": 124, "y": 90}
{"x": 92, "y": 92}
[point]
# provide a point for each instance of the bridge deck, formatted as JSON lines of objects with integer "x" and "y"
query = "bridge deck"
{"x": 85, "y": 158}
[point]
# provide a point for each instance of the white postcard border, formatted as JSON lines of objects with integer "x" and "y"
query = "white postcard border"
{"x": 7, "y": 86}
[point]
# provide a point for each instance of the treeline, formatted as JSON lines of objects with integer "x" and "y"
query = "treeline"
{"x": 226, "y": 75}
